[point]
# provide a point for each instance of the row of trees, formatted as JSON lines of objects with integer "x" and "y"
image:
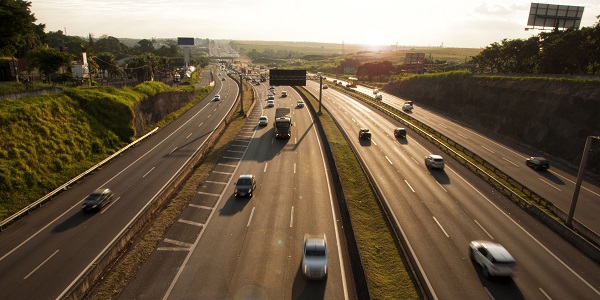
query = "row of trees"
{"x": 572, "y": 51}
{"x": 107, "y": 56}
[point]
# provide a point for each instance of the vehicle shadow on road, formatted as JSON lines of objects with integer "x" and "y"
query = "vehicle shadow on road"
{"x": 499, "y": 287}
{"x": 364, "y": 142}
{"x": 402, "y": 140}
{"x": 234, "y": 205}
{"x": 440, "y": 175}
{"x": 75, "y": 220}
{"x": 551, "y": 177}
{"x": 307, "y": 289}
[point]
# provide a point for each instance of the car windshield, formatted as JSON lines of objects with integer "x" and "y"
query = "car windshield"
{"x": 94, "y": 197}
{"x": 315, "y": 252}
{"x": 244, "y": 181}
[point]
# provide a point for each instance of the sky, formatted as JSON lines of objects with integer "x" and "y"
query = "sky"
{"x": 448, "y": 23}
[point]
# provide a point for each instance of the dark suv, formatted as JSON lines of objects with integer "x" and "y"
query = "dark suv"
{"x": 97, "y": 199}
{"x": 538, "y": 163}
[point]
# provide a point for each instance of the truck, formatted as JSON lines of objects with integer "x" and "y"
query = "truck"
{"x": 283, "y": 123}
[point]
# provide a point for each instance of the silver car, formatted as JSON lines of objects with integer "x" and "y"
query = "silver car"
{"x": 434, "y": 161}
{"x": 314, "y": 257}
{"x": 493, "y": 258}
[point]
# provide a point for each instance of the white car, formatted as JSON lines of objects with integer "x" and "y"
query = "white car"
{"x": 300, "y": 104}
{"x": 217, "y": 97}
{"x": 314, "y": 257}
{"x": 263, "y": 120}
{"x": 434, "y": 161}
{"x": 270, "y": 103}
{"x": 493, "y": 258}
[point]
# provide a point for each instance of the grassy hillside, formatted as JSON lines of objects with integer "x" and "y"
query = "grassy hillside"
{"x": 47, "y": 140}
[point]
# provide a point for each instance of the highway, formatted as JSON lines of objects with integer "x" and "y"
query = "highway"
{"x": 251, "y": 248}
{"x": 440, "y": 212}
{"x": 43, "y": 254}
{"x": 556, "y": 184}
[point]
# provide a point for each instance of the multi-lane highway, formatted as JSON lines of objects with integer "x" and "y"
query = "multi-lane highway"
{"x": 556, "y": 185}
{"x": 441, "y": 211}
{"x": 43, "y": 254}
{"x": 251, "y": 248}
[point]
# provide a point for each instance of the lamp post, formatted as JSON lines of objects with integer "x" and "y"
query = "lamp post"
{"x": 320, "y": 90}
{"x": 584, "y": 157}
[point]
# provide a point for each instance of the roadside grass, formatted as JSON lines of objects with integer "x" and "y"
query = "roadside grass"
{"x": 112, "y": 284}
{"x": 387, "y": 277}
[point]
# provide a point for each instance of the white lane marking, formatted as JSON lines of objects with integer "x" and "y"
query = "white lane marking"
{"x": 235, "y": 151}
{"x": 200, "y": 206}
{"x": 224, "y": 173}
{"x": 292, "y": 217}
{"x": 46, "y": 260}
{"x": 550, "y": 184}
{"x": 187, "y": 137}
{"x": 190, "y": 222}
{"x": 409, "y": 185}
{"x": 372, "y": 141}
{"x": 177, "y": 243}
{"x": 109, "y": 205}
{"x": 440, "y": 225}
{"x": 209, "y": 194}
{"x": 487, "y": 149}
{"x": 531, "y": 236}
{"x": 250, "y": 219}
{"x": 231, "y": 157}
{"x": 215, "y": 182}
{"x": 443, "y": 125}
{"x": 175, "y": 149}
{"x": 148, "y": 172}
{"x": 414, "y": 160}
{"x": 489, "y": 294}
{"x": 208, "y": 116}
{"x": 441, "y": 186}
{"x": 227, "y": 165}
{"x": 391, "y": 163}
{"x": 200, "y": 124}
{"x": 486, "y": 232}
{"x": 506, "y": 159}
{"x": 545, "y": 294}
{"x": 294, "y": 168}
{"x": 265, "y": 169}
{"x": 464, "y": 137}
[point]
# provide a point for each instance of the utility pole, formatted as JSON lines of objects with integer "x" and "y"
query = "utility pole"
{"x": 584, "y": 158}
{"x": 241, "y": 95}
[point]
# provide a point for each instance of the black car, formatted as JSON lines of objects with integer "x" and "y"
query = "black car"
{"x": 97, "y": 199}
{"x": 538, "y": 163}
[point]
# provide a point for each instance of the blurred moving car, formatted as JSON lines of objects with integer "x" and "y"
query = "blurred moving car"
{"x": 314, "y": 257}
{"x": 434, "y": 161}
{"x": 300, "y": 103}
{"x": 378, "y": 97}
{"x": 284, "y": 94}
{"x": 245, "y": 185}
{"x": 493, "y": 258}
{"x": 217, "y": 97}
{"x": 263, "y": 120}
{"x": 407, "y": 106}
{"x": 538, "y": 163}
{"x": 325, "y": 86}
{"x": 270, "y": 103}
{"x": 97, "y": 199}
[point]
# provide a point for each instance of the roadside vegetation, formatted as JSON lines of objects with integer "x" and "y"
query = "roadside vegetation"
{"x": 47, "y": 140}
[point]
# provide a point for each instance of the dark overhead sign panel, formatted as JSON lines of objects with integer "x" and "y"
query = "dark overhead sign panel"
{"x": 287, "y": 77}
{"x": 185, "y": 41}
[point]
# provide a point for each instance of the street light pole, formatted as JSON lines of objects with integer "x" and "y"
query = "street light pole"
{"x": 584, "y": 157}
{"x": 241, "y": 95}
{"x": 320, "y": 90}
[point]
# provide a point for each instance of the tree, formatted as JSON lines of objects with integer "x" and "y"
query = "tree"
{"x": 144, "y": 66}
{"x": 111, "y": 44}
{"x": 65, "y": 43}
{"x": 48, "y": 60}
{"x": 18, "y": 28}
{"x": 371, "y": 70}
{"x": 107, "y": 63}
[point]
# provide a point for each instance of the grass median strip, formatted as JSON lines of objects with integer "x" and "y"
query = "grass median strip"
{"x": 382, "y": 261}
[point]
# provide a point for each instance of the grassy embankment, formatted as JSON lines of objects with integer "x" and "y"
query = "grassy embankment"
{"x": 140, "y": 249}
{"x": 47, "y": 140}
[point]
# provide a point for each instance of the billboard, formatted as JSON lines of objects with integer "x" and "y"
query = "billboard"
{"x": 287, "y": 77}
{"x": 185, "y": 41}
{"x": 550, "y": 16}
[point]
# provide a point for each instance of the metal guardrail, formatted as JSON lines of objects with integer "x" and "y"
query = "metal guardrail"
{"x": 575, "y": 235}
{"x": 63, "y": 187}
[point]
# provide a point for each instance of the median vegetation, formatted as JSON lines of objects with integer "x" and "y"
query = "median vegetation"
{"x": 387, "y": 276}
